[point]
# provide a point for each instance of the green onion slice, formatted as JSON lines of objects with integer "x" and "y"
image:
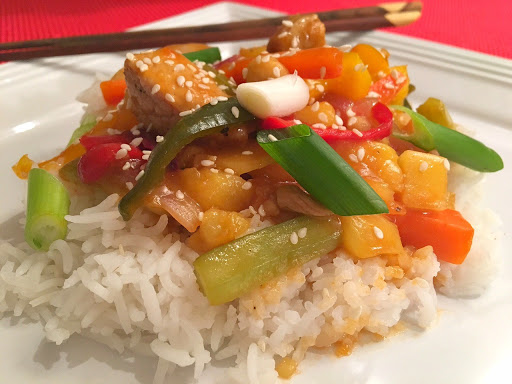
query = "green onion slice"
{"x": 205, "y": 121}
{"x": 87, "y": 124}
{"x": 321, "y": 171}
{"x": 208, "y": 55}
{"x": 453, "y": 145}
{"x": 47, "y": 204}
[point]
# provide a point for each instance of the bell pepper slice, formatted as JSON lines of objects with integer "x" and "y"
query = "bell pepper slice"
{"x": 309, "y": 63}
{"x": 113, "y": 91}
{"x": 205, "y": 121}
{"x": 380, "y": 112}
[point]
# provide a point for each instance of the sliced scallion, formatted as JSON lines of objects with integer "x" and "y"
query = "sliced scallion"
{"x": 321, "y": 171}
{"x": 47, "y": 204}
{"x": 85, "y": 126}
{"x": 208, "y": 55}
{"x": 453, "y": 145}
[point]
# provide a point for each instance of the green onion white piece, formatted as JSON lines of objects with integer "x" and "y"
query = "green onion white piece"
{"x": 47, "y": 204}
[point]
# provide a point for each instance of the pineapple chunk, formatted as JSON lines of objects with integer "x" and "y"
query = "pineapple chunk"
{"x": 425, "y": 180}
{"x": 369, "y": 236}
{"x": 220, "y": 190}
{"x": 217, "y": 228}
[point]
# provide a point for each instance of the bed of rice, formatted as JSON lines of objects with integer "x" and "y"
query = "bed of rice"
{"x": 131, "y": 285}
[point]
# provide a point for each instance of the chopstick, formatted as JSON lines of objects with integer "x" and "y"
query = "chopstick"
{"x": 354, "y": 19}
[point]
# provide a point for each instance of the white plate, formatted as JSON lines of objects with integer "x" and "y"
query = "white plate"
{"x": 472, "y": 342}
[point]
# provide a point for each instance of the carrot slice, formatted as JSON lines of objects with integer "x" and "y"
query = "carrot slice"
{"x": 446, "y": 231}
{"x": 113, "y": 91}
{"x": 309, "y": 63}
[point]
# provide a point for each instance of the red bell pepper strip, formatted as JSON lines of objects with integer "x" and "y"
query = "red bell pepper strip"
{"x": 446, "y": 231}
{"x": 380, "y": 112}
{"x": 89, "y": 142}
{"x": 96, "y": 162}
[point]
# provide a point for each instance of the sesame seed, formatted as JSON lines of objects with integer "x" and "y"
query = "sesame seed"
{"x": 295, "y": 42}
{"x": 235, "y": 111}
{"x": 316, "y": 106}
{"x": 179, "y": 67}
{"x": 205, "y": 80}
{"x": 108, "y": 117}
{"x": 170, "y": 98}
{"x": 319, "y": 126}
{"x": 265, "y": 59}
{"x": 185, "y": 113}
{"x": 221, "y": 71}
{"x": 129, "y": 185}
{"x": 145, "y": 157}
{"x": 244, "y": 72}
{"x": 360, "y": 67}
{"x": 159, "y": 139}
{"x": 172, "y": 55}
{"x": 111, "y": 131}
{"x": 323, "y": 71}
{"x": 282, "y": 34}
{"x": 121, "y": 153}
{"x": 147, "y": 60}
{"x": 180, "y": 195}
{"x": 126, "y": 146}
{"x": 188, "y": 83}
{"x": 378, "y": 232}
{"x": 353, "y": 158}
{"x": 214, "y": 170}
{"x": 229, "y": 171}
{"x": 136, "y": 142}
{"x": 169, "y": 62}
{"x": 350, "y": 112}
{"x": 389, "y": 86}
{"x": 143, "y": 68}
{"x": 261, "y": 211}
{"x": 191, "y": 67}
{"x": 374, "y": 94}
{"x": 400, "y": 80}
{"x": 200, "y": 216}
{"x": 338, "y": 120}
{"x": 180, "y": 80}
{"x": 297, "y": 121}
{"x": 156, "y": 59}
{"x": 345, "y": 48}
{"x": 203, "y": 86}
{"x": 188, "y": 96}
{"x": 222, "y": 98}
{"x": 139, "y": 175}
{"x": 207, "y": 163}
{"x": 287, "y": 23}
{"x": 319, "y": 87}
{"x": 294, "y": 238}
{"x": 252, "y": 210}
{"x": 139, "y": 63}
{"x": 302, "y": 232}
{"x": 395, "y": 74}
{"x": 214, "y": 101}
{"x": 357, "y": 132}
{"x": 247, "y": 185}
{"x": 423, "y": 166}
{"x": 231, "y": 66}
{"x": 334, "y": 126}
{"x": 212, "y": 74}
{"x": 272, "y": 137}
{"x": 130, "y": 56}
{"x": 311, "y": 101}
{"x": 381, "y": 74}
{"x": 352, "y": 121}
{"x": 155, "y": 89}
{"x": 246, "y": 153}
{"x": 360, "y": 153}
{"x": 258, "y": 59}
{"x": 135, "y": 131}
{"x": 323, "y": 117}
{"x": 276, "y": 71}
{"x": 446, "y": 164}
{"x": 146, "y": 152}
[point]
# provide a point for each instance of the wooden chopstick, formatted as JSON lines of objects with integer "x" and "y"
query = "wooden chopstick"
{"x": 354, "y": 19}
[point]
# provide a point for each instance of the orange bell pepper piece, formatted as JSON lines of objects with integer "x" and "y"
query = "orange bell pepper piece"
{"x": 393, "y": 88}
{"x": 113, "y": 91}
{"x": 446, "y": 231}
{"x": 23, "y": 167}
{"x": 354, "y": 82}
{"x": 375, "y": 61}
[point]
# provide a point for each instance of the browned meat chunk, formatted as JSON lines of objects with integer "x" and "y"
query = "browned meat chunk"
{"x": 300, "y": 31}
{"x": 163, "y": 84}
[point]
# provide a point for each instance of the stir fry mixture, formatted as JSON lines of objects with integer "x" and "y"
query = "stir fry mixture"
{"x": 319, "y": 140}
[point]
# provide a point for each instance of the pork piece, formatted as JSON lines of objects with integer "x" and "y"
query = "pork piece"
{"x": 162, "y": 84}
{"x": 304, "y": 31}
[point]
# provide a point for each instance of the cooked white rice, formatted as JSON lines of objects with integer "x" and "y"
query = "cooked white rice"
{"x": 131, "y": 285}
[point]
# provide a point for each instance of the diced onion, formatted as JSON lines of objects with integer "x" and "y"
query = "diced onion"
{"x": 277, "y": 97}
